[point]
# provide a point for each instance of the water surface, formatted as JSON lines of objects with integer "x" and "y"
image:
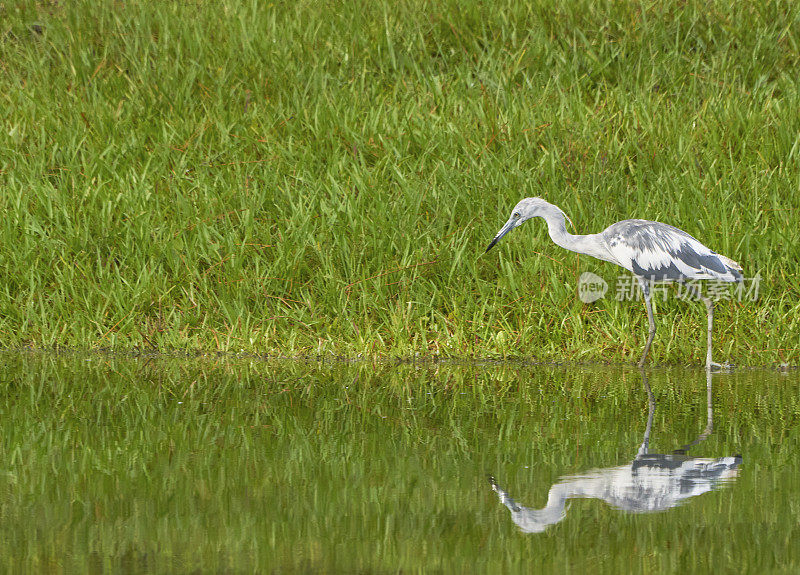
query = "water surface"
{"x": 159, "y": 465}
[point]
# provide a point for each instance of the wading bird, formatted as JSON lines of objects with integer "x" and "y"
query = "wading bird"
{"x": 652, "y": 251}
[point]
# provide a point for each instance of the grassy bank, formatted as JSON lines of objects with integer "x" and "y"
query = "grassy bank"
{"x": 298, "y": 177}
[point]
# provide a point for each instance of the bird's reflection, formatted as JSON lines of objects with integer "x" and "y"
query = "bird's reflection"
{"x": 652, "y": 482}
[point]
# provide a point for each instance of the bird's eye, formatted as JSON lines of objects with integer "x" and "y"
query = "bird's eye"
{"x": 516, "y": 215}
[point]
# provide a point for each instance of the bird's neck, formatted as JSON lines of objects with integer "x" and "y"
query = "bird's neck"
{"x": 584, "y": 244}
{"x": 532, "y": 520}
{"x": 555, "y": 510}
{"x": 557, "y": 497}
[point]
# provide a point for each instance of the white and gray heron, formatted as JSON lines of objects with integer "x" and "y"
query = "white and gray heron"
{"x": 652, "y": 251}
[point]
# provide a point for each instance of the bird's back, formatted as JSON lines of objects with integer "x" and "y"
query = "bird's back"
{"x": 661, "y": 252}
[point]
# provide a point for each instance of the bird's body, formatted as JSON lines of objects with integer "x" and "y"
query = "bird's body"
{"x": 652, "y": 251}
{"x": 647, "y": 485}
{"x": 660, "y": 252}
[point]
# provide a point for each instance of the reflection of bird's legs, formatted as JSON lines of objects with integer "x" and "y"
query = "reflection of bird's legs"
{"x": 709, "y": 409}
{"x": 651, "y": 408}
{"x": 649, "y": 305}
{"x": 709, "y": 419}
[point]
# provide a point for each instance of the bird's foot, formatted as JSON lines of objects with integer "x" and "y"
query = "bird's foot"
{"x": 714, "y": 366}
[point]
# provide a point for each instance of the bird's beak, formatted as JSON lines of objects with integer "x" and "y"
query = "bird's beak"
{"x": 506, "y": 228}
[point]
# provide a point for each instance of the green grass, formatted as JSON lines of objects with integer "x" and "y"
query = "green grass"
{"x": 158, "y": 466}
{"x": 306, "y": 177}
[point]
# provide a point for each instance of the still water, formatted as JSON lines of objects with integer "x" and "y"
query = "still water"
{"x": 141, "y": 465}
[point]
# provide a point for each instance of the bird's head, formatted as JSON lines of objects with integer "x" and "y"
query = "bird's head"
{"x": 526, "y": 209}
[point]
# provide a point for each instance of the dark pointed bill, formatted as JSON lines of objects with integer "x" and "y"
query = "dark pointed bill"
{"x": 506, "y": 228}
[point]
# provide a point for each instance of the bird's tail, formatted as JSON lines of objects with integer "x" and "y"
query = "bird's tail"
{"x": 734, "y": 267}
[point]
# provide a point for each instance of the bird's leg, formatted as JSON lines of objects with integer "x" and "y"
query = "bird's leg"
{"x": 649, "y": 305}
{"x": 710, "y": 309}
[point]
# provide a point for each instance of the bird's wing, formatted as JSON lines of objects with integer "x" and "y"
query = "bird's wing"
{"x": 659, "y": 251}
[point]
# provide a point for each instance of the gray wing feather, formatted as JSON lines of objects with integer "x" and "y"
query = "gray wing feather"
{"x": 657, "y": 251}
